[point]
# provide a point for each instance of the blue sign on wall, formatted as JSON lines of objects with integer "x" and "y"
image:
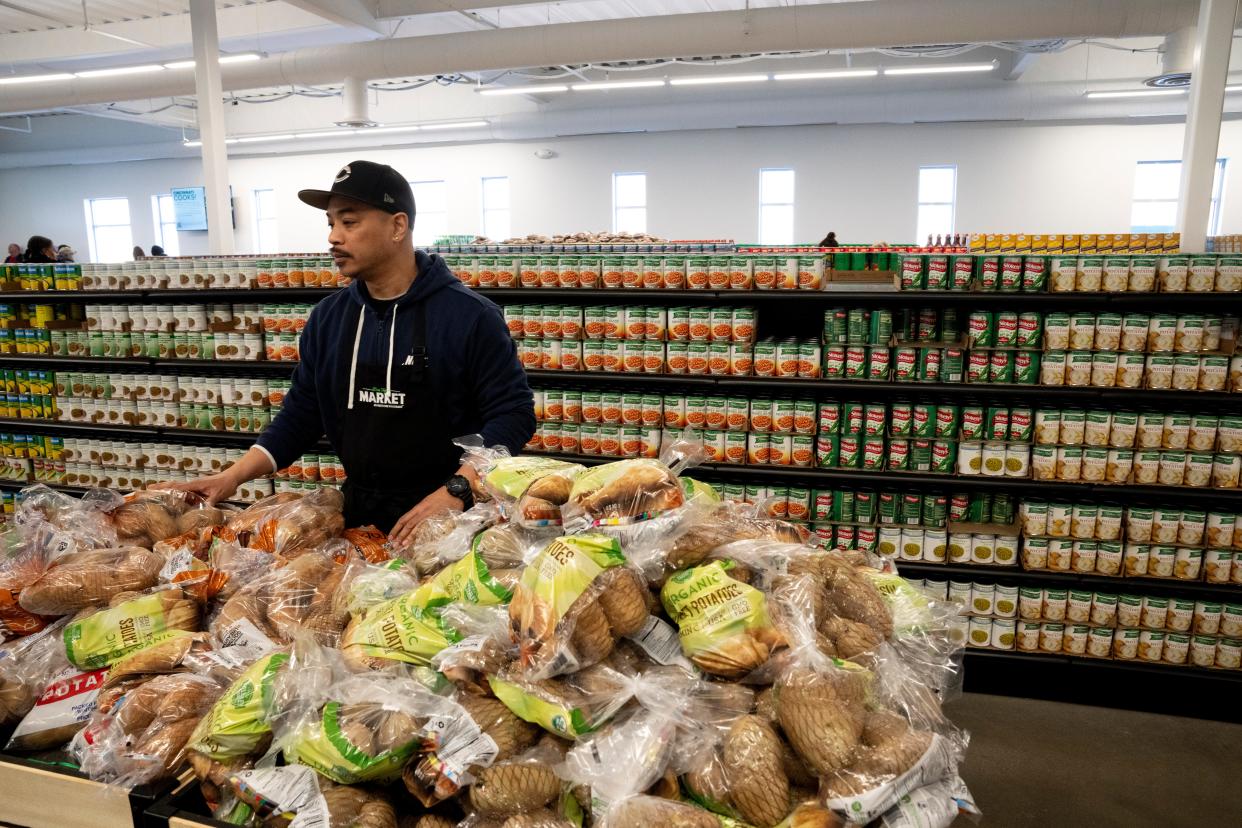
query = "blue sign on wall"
{"x": 190, "y": 207}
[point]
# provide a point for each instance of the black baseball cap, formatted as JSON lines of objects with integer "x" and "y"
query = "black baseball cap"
{"x": 378, "y": 185}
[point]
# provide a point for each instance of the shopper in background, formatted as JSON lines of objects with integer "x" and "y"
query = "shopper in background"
{"x": 15, "y": 253}
{"x": 65, "y": 253}
{"x": 39, "y": 250}
{"x": 158, "y": 251}
{"x": 392, "y": 369}
{"x": 138, "y": 254}
{"x": 830, "y": 240}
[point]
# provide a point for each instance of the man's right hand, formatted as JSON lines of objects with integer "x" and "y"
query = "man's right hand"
{"x": 213, "y": 487}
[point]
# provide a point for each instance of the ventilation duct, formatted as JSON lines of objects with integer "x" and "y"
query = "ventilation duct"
{"x": 357, "y": 105}
{"x": 1177, "y": 55}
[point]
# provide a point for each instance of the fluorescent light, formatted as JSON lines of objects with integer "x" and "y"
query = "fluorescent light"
{"x": 35, "y": 78}
{"x": 715, "y": 79}
{"x": 1233, "y": 88}
{"x": 329, "y": 134}
{"x": 231, "y": 140}
{"x": 832, "y": 73}
{"x": 1135, "y": 93}
{"x": 946, "y": 69}
{"x": 536, "y": 89}
{"x": 121, "y": 70}
{"x": 180, "y": 64}
{"x": 374, "y": 130}
{"x": 457, "y": 125}
{"x": 605, "y": 85}
{"x": 242, "y": 57}
{"x": 254, "y": 139}
{"x": 191, "y": 143}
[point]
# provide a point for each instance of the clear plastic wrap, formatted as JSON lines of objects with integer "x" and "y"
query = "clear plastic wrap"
{"x": 147, "y": 517}
{"x": 530, "y": 490}
{"x": 26, "y": 666}
{"x": 446, "y": 537}
{"x": 294, "y": 795}
{"x": 25, "y": 554}
{"x": 289, "y": 525}
{"x": 87, "y": 516}
{"x": 142, "y": 737}
{"x": 568, "y": 706}
{"x": 132, "y": 622}
{"x": 90, "y": 578}
{"x": 573, "y": 602}
{"x": 63, "y": 708}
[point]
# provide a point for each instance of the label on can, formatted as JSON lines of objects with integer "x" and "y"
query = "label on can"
{"x": 898, "y": 455}
{"x": 742, "y": 324}
{"x": 877, "y": 363}
{"x": 948, "y": 420}
{"x": 900, "y": 419}
{"x": 1006, "y": 329}
{"x": 923, "y": 420}
{"x": 855, "y": 362}
{"x": 765, "y": 358}
{"x": 1028, "y": 330}
{"x": 829, "y": 417}
{"x": 1001, "y": 367}
{"x": 834, "y": 361}
{"x": 697, "y": 357}
{"x": 1020, "y": 425}
{"x": 700, "y": 324}
{"x": 905, "y": 364}
{"x": 980, "y": 327}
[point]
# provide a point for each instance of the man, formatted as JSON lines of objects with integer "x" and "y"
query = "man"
{"x": 15, "y": 254}
{"x": 393, "y": 368}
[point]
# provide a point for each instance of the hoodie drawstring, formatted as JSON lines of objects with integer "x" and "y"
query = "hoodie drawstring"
{"x": 392, "y": 333}
{"x": 353, "y": 365}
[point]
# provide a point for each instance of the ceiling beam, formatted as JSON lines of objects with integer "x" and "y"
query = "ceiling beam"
{"x": 351, "y": 13}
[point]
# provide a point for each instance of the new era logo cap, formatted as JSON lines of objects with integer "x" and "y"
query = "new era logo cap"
{"x": 378, "y": 185}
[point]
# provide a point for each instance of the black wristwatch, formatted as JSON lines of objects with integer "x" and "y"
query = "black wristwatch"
{"x": 459, "y": 487}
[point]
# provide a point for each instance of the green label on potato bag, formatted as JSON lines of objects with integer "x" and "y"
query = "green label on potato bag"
{"x": 238, "y": 722}
{"x": 106, "y": 637}
{"x": 709, "y": 607}
{"x": 403, "y": 629}
{"x": 564, "y": 569}
{"x": 511, "y": 475}
{"x": 325, "y": 748}
{"x": 557, "y": 719}
{"x": 468, "y": 580}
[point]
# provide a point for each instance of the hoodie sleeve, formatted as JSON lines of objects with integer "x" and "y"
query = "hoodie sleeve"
{"x": 298, "y": 425}
{"x": 498, "y": 384}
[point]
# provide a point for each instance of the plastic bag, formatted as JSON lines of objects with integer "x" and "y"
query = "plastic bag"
{"x": 23, "y": 559}
{"x": 63, "y": 708}
{"x": 223, "y": 569}
{"x": 296, "y": 796}
{"x": 26, "y": 667}
{"x": 142, "y": 737}
{"x": 369, "y": 542}
{"x": 129, "y": 625}
{"x": 86, "y": 516}
{"x": 713, "y": 528}
{"x": 405, "y": 629}
{"x": 446, "y": 537}
{"x": 147, "y": 517}
{"x": 530, "y": 490}
{"x": 569, "y": 706}
{"x": 936, "y": 805}
{"x": 574, "y": 600}
{"x": 289, "y": 525}
{"x": 91, "y": 578}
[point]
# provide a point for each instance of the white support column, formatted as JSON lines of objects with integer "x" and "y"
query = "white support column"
{"x": 1213, "y": 39}
{"x": 210, "y": 96}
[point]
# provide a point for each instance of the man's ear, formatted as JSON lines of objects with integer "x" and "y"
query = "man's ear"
{"x": 400, "y": 227}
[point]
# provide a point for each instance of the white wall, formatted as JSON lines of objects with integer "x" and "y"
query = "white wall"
{"x": 860, "y": 181}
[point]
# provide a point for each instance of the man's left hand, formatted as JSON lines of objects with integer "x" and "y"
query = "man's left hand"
{"x": 435, "y": 503}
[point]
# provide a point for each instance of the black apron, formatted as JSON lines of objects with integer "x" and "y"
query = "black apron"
{"x": 395, "y": 445}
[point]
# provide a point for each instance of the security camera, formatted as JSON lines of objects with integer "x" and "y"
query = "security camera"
{"x": 545, "y": 154}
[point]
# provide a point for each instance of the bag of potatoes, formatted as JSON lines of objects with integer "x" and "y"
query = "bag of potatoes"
{"x": 26, "y": 666}
{"x": 90, "y": 578}
{"x": 142, "y": 737}
{"x": 148, "y": 517}
{"x": 289, "y": 525}
{"x": 131, "y": 623}
{"x": 530, "y": 490}
{"x": 310, "y": 592}
{"x": 568, "y": 706}
{"x": 575, "y": 599}
{"x": 281, "y": 797}
{"x": 404, "y": 629}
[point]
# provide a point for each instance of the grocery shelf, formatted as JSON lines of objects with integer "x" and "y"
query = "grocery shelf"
{"x": 809, "y": 475}
{"x": 258, "y": 366}
{"x": 1134, "y": 665}
{"x": 1083, "y": 395}
{"x": 248, "y": 295}
{"x": 68, "y": 362}
{"x": 1017, "y": 576}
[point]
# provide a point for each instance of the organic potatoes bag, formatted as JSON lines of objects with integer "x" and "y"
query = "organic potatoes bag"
{"x": 403, "y": 629}
{"x": 109, "y": 635}
{"x": 238, "y": 723}
{"x": 723, "y": 623}
{"x": 574, "y": 600}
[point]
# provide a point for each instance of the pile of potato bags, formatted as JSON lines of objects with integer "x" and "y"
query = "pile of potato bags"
{"x": 611, "y": 646}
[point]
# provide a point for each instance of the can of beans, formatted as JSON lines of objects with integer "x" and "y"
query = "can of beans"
{"x": 742, "y": 325}
{"x": 653, "y": 357}
{"x": 856, "y": 326}
{"x": 1026, "y": 365}
{"x": 878, "y": 362}
{"x": 804, "y": 417}
{"x": 1028, "y": 331}
{"x": 920, "y": 455}
{"x": 674, "y": 406}
{"x": 611, "y": 408}
{"x": 714, "y": 443}
{"x": 997, "y": 423}
{"x": 1006, "y": 329}
{"x": 787, "y": 358}
{"x": 698, "y": 270}
{"x": 828, "y": 450}
{"x": 780, "y": 449}
{"x": 948, "y": 421}
{"x": 834, "y": 361}
{"x": 836, "y": 326}
{"x": 988, "y": 275}
{"x": 923, "y": 420}
{"x": 758, "y": 448}
{"x": 979, "y": 326}
{"x": 898, "y": 455}
{"x": 1000, "y": 368}
{"x": 741, "y": 359}
{"x": 873, "y": 454}
{"x": 905, "y": 363}
{"x": 783, "y": 416}
{"x": 855, "y": 362}
{"x": 633, "y": 356}
{"x": 589, "y": 439}
{"x": 698, "y": 356}
{"x": 678, "y": 324}
{"x": 696, "y": 412}
{"x": 810, "y": 360}
{"x": 929, "y": 364}
{"x": 674, "y": 272}
{"x": 718, "y": 272}
{"x": 913, "y": 272}
{"x": 951, "y": 364}
{"x": 632, "y": 409}
{"x": 610, "y": 441}
{"x": 943, "y": 457}
{"x": 1035, "y": 274}
{"x": 978, "y": 367}
{"x": 700, "y": 324}
{"x": 880, "y": 326}
{"x": 900, "y": 419}
{"x": 677, "y": 357}
{"x": 592, "y": 407}
{"x": 927, "y": 326}
{"x": 973, "y": 422}
{"x": 765, "y": 358}
{"x": 635, "y": 322}
{"x": 761, "y": 414}
{"x": 829, "y": 417}
{"x": 1011, "y": 274}
{"x": 720, "y": 321}
{"x": 737, "y": 413}
{"x": 802, "y": 452}
{"x": 874, "y": 420}
{"x": 735, "y": 447}
{"x": 961, "y": 270}
{"x": 719, "y": 358}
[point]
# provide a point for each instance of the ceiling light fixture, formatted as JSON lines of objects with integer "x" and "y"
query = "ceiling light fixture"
{"x": 1136, "y": 93}
{"x": 706, "y": 80}
{"x": 1233, "y": 88}
{"x": 455, "y": 125}
{"x": 536, "y": 89}
{"x": 332, "y": 133}
{"x": 254, "y": 139}
{"x": 243, "y": 57}
{"x": 601, "y": 86}
{"x": 35, "y": 78}
{"x": 180, "y": 64}
{"x": 946, "y": 69}
{"x": 389, "y": 129}
{"x": 121, "y": 70}
{"x": 827, "y": 74}
{"x": 191, "y": 143}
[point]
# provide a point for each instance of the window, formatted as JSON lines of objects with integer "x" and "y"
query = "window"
{"x": 629, "y": 202}
{"x": 265, "y": 234}
{"x": 496, "y": 208}
{"x": 937, "y": 199}
{"x": 1156, "y": 191}
{"x": 165, "y": 217}
{"x": 431, "y": 207}
{"x": 776, "y": 206}
{"x": 110, "y": 237}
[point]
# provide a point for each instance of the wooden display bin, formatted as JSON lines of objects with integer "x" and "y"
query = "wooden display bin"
{"x": 44, "y": 795}
{"x": 182, "y": 808}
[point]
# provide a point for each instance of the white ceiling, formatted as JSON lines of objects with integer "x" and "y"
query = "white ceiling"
{"x": 51, "y": 36}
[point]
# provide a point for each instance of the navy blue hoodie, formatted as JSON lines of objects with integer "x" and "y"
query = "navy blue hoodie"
{"x": 475, "y": 383}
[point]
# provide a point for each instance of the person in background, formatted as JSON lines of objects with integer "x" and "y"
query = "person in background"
{"x": 138, "y": 254}
{"x": 65, "y": 253}
{"x": 393, "y": 368}
{"x": 15, "y": 253}
{"x": 40, "y": 250}
{"x": 158, "y": 251}
{"x": 830, "y": 240}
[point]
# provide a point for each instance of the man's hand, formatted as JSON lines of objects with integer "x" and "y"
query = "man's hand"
{"x": 436, "y": 502}
{"x": 214, "y": 488}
